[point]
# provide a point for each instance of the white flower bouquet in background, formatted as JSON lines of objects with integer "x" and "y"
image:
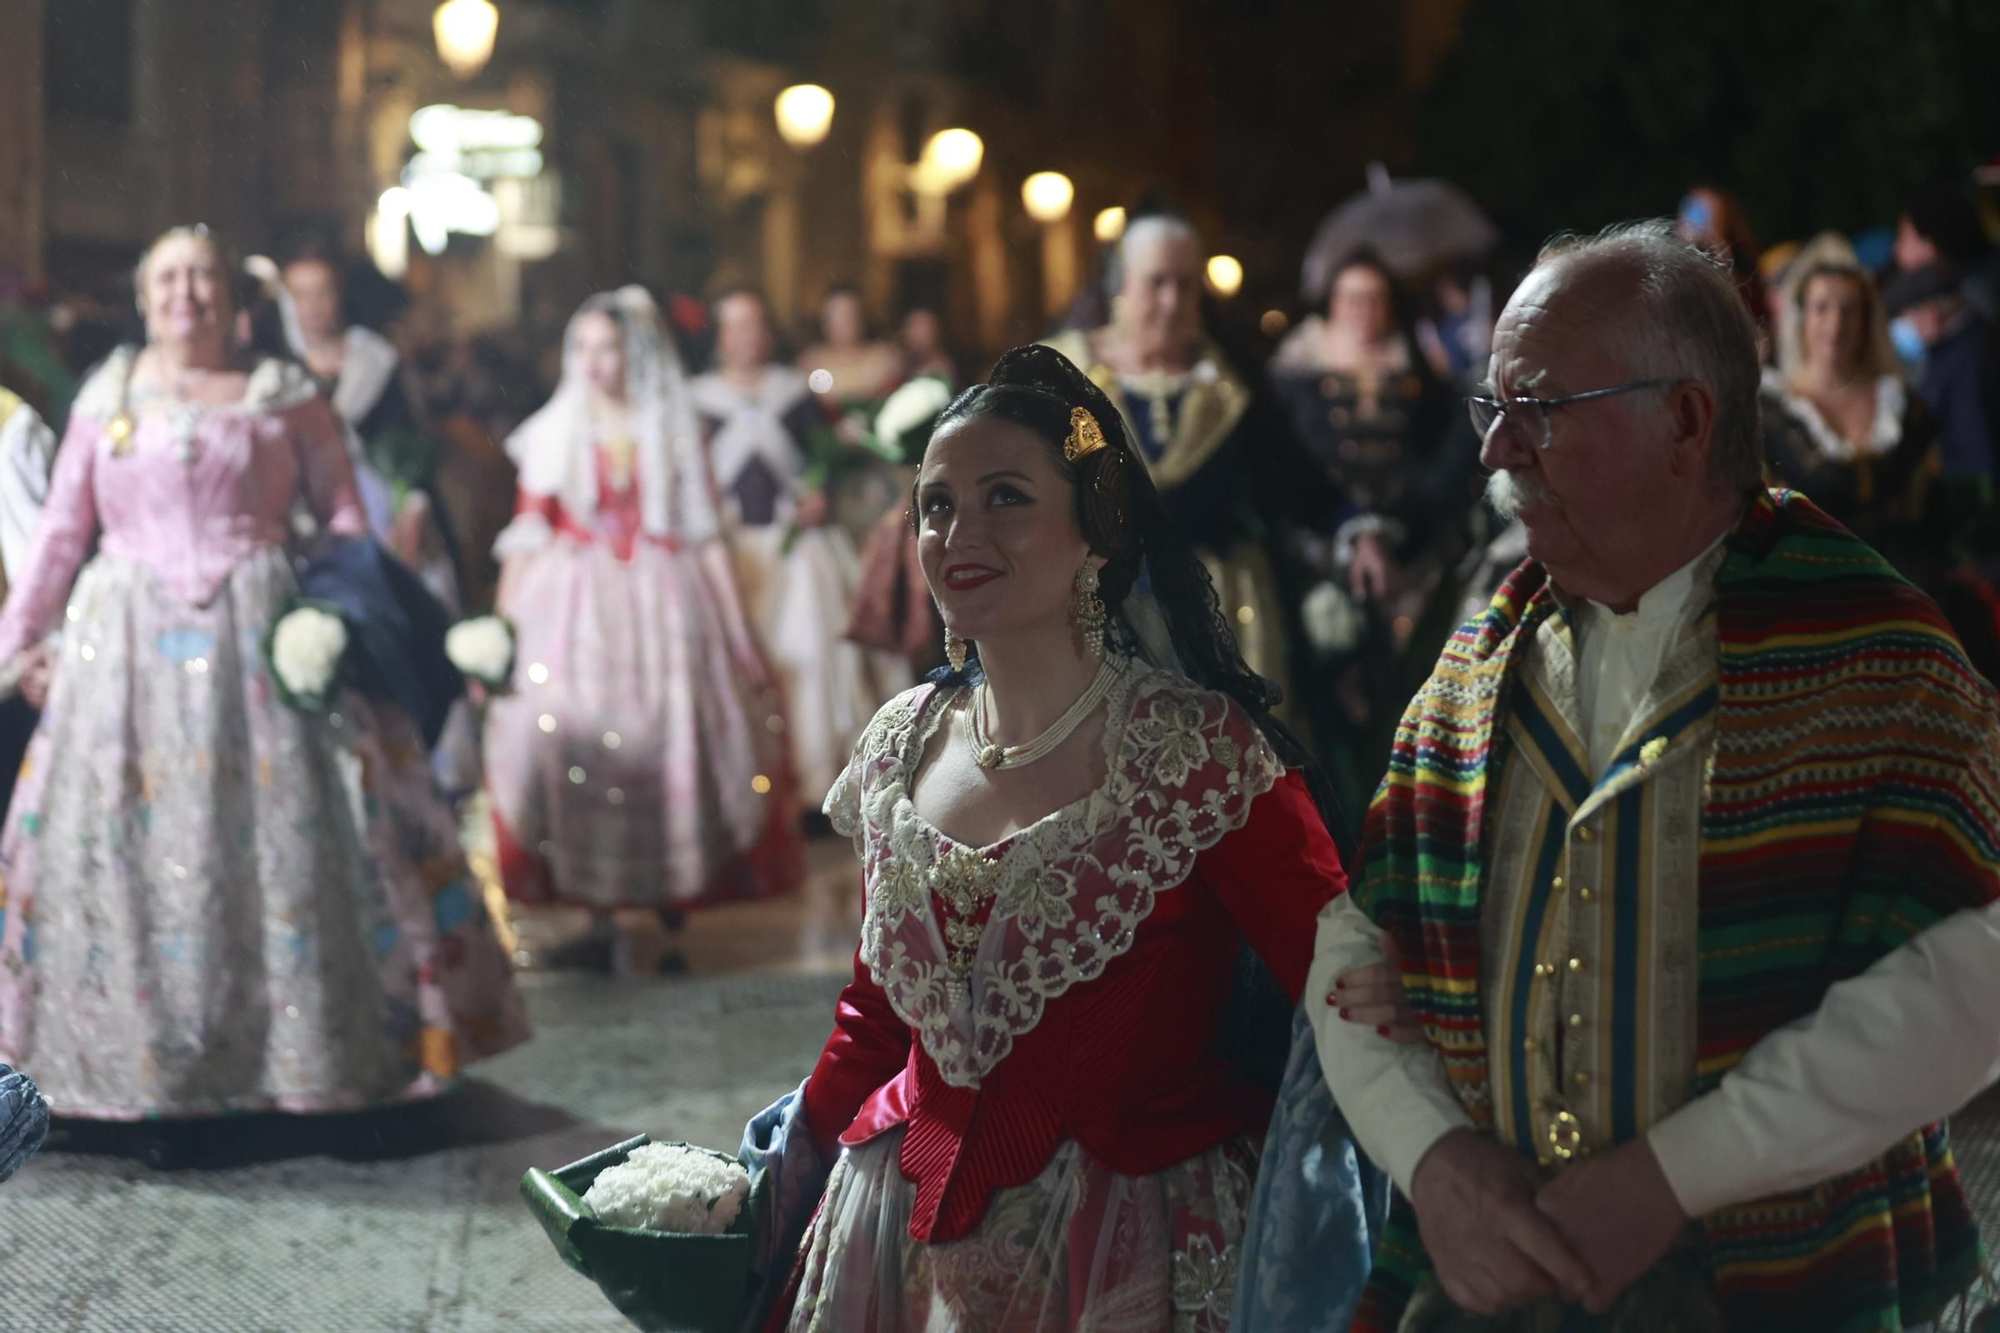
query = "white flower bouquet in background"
{"x": 482, "y": 648}
{"x": 1333, "y": 623}
{"x": 914, "y": 406}
{"x": 307, "y": 646}
{"x": 670, "y": 1187}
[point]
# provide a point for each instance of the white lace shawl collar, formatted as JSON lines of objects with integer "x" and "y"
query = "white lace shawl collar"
{"x": 1884, "y": 434}
{"x": 751, "y": 423}
{"x": 1183, "y": 766}
{"x": 275, "y": 385}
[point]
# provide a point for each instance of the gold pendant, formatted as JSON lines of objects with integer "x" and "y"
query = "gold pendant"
{"x": 119, "y": 431}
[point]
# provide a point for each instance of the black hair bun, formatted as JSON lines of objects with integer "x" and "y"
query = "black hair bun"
{"x": 1039, "y": 366}
{"x": 1042, "y": 368}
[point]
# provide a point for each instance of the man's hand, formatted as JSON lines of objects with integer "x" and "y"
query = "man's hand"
{"x": 1493, "y": 1249}
{"x": 1618, "y": 1212}
{"x": 1368, "y": 569}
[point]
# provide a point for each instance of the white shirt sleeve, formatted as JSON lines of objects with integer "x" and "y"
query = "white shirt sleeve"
{"x": 1907, "y": 1042}
{"x": 1397, "y": 1098}
{"x": 27, "y": 457}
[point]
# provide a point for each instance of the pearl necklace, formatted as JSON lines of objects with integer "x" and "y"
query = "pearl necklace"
{"x": 991, "y": 756}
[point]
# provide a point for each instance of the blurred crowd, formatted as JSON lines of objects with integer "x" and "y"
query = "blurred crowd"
{"x": 1323, "y": 462}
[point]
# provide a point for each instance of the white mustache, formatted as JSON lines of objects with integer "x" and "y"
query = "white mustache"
{"x": 1507, "y": 492}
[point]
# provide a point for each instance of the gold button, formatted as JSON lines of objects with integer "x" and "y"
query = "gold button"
{"x": 1581, "y": 1078}
{"x": 1585, "y": 835}
{"x": 1576, "y": 965}
{"x": 1588, "y": 895}
{"x": 1530, "y": 1045}
{"x": 1576, "y": 1020}
{"x": 1556, "y": 883}
{"x": 1541, "y": 969}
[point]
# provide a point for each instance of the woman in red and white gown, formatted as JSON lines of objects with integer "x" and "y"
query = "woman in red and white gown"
{"x": 1081, "y": 854}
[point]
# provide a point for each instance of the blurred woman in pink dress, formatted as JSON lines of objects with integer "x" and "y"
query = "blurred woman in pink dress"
{"x": 214, "y": 901}
{"x": 635, "y": 763}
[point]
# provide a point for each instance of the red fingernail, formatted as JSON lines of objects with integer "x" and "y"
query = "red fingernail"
{"x": 1345, "y": 1014}
{"x": 1381, "y": 1029}
{"x": 1340, "y": 985}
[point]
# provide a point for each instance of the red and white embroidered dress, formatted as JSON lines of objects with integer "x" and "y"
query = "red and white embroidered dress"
{"x": 1053, "y": 1138}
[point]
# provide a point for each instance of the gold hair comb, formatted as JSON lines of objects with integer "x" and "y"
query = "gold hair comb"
{"x": 1086, "y": 437}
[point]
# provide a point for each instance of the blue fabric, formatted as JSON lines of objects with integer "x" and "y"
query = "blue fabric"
{"x": 777, "y": 1146}
{"x": 1319, "y": 1208}
{"x": 398, "y": 628}
{"x": 24, "y": 1120}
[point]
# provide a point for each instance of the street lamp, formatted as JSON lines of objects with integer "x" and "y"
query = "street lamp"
{"x": 465, "y": 30}
{"x": 805, "y": 114}
{"x": 1047, "y": 196}
{"x": 1225, "y": 275}
{"x": 950, "y": 159}
{"x": 1109, "y": 225}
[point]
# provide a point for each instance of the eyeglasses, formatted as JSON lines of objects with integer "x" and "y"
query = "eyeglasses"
{"x": 1532, "y": 414}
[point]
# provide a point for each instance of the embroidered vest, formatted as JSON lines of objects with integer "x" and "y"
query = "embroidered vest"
{"x": 1852, "y": 800}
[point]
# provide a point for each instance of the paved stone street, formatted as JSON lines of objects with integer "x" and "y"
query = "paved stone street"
{"x": 409, "y": 1220}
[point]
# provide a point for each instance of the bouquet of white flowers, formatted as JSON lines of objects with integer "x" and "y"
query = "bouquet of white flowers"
{"x": 1333, "y": 623}
{"x": 482, "y": 648}
{"x": 912, "y": 407}
{"x": 668, "y": 1231}
{"x": 306, "y": 647}
{"x": 670, "y": 1187}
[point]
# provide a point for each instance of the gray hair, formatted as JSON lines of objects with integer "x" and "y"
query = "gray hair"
{"x": 1147, "y": 226}
{"x": 1690, "y": 323}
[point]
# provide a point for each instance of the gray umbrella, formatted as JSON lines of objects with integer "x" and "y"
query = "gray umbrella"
{"x": 1416, "y": 226}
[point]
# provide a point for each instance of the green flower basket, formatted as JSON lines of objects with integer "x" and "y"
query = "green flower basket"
{"x": 662, "y": 1281}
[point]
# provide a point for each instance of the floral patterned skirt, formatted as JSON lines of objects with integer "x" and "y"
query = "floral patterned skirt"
{"x": 213, "y": 902}
{"x": 1079, "y": 1247}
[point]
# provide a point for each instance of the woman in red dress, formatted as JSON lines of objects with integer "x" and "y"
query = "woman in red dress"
{"x": 1078, "y": 844}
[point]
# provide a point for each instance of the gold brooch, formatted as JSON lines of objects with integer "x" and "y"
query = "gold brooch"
{"x": 1086, "y": 437}
{"x": 119, "y": 431}
{"x": 1650, "y": 752}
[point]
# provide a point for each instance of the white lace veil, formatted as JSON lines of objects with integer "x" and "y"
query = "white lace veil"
{"x": 553, "y": 448}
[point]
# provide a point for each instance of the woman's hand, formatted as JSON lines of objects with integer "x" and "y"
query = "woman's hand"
{"x": 37, "y": 675}
{"x": 1373, "y": 996}
{"x": 811, "y": 510}
{"x": 406, "y": 530}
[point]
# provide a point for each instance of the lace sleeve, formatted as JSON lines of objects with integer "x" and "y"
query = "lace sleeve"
{"x": 68, "y": 524}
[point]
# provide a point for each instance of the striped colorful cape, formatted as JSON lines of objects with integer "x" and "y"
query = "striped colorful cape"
{"x": 1852, "y": 801}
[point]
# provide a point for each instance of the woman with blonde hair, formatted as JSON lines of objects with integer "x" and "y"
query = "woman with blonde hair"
{"x": 217, "y": 900}
{"x": 1840, "y": 421}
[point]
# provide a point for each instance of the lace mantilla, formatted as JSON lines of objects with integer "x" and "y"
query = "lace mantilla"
{"x": 274, "y": 385}
{"x": 1069, "y": 891}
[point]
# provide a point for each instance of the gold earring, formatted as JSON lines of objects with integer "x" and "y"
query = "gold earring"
{"x": 954, "y": 651}
{"x": 1089, "y": 610}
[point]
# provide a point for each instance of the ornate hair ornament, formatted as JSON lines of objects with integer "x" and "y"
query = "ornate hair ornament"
{"x": 1086, "y": 437}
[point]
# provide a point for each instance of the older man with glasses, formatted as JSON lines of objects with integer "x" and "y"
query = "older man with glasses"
{"x": 1687, "y": 855}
